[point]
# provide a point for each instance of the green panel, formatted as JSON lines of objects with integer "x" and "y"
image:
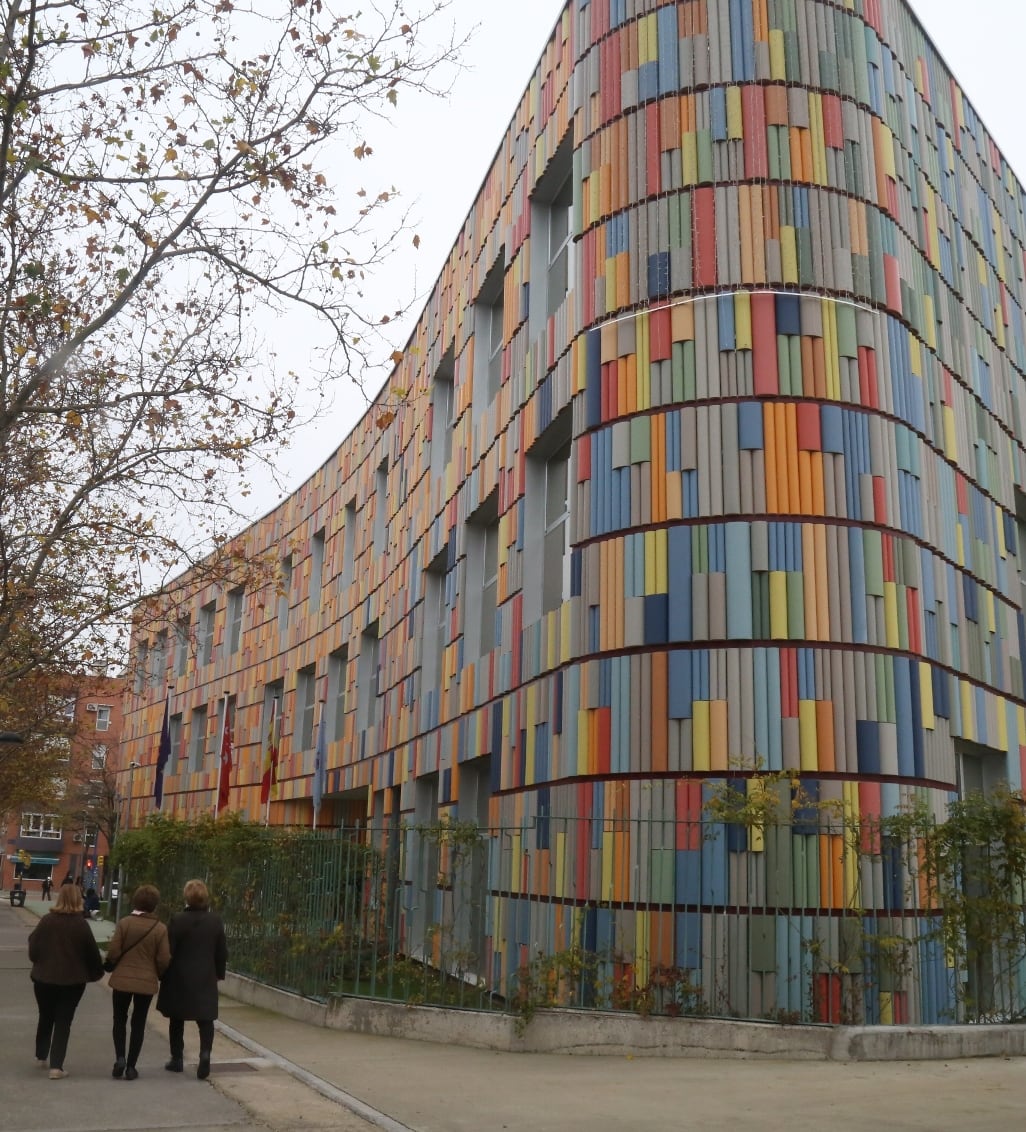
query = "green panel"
{"x": 641, "y": 440}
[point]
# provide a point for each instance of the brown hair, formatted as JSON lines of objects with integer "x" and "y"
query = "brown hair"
{"x": 145, "y": 898}
{"x": 69, "y": 899}
{"x": 196, "y": 894}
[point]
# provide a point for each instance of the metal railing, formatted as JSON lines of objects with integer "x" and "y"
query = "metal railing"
{"x": 810, "y": 921}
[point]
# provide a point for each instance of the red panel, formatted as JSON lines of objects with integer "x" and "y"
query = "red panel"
{"x": 880, "y": 501}
{"x": 764, "y": 346}
{"x": 753, "y": 111}
{"x": 660, "y": 337}
{"x": 809, "y": 436}
{"x": 775, "y": 102}
{"x": 789, "y": 683}
{"x": 892, "y": 279}
{"x": 961, "y": 494}
{"x": 915, "y": 640}
{"x": 689, "y": 814}
{"x": 603, "y": 739}
{"x": 703, "y": 237}
{"x": 868, "y": 392}
{"x": 655, "y": 149}
{"x": 887, "y": 553}
{"x": 833, "y": 123}
{"x": 584, "y": 459}
{"x": 826, "y": 998}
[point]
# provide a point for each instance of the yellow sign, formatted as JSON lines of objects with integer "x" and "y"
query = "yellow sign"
{"x": 25, "y": 857}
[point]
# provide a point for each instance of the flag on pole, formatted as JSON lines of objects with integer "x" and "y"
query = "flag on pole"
{"x": 224, "y": 778}
{"x": 163, "y": 754}
{"x": 269, "y": 779}
{"x": 320, "y": 769}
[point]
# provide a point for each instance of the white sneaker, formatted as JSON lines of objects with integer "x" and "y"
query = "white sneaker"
{"x": 57, "y": 1074}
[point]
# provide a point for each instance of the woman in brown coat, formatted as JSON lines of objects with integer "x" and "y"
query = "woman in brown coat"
{"x": 140, "y": 952}
{"x": 64, "y": 958}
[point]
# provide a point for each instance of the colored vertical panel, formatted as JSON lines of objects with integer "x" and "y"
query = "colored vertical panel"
{"x": 703, "y": 237}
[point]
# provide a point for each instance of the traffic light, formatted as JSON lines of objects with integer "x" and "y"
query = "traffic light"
{"x": 99, "y": 861}
{"x": 89, "y": 862}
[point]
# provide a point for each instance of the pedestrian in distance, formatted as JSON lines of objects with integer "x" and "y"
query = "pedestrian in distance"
{"x": 45, "y": 889}
{"x": 64, "y": 958}
{"x": 137, "y": 957}
{"x": 188, "y": 990}
{"x": 91, "y": 904}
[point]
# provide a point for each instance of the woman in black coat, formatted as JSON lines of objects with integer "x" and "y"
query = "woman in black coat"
{"x": 188, "y": 990}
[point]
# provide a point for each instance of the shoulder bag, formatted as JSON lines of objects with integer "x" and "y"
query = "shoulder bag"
{"x": 109, "y": 964}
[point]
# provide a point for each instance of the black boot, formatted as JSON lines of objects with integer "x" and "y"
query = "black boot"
{"x": 203, "y": 1069}
{"x": 119, "y": 1068}
{"x": 175, "y": 1065}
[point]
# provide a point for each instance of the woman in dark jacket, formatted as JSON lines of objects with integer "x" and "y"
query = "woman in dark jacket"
{"x": 188, "y": 991}
{"x": 140, "y": 954}
{"x": 64, "y": 958}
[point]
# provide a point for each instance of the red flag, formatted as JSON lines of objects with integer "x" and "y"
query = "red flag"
{"x": 269, "y": 781}
{"x": 224, "y": 781}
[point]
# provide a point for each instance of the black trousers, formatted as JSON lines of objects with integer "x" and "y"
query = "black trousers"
{"x": 176, "y": 1036}
{"x": 57, "y": 1006}
{"x": 140, "y": 1004}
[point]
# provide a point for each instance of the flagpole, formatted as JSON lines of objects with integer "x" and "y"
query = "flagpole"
{"x": 220, "y": 754}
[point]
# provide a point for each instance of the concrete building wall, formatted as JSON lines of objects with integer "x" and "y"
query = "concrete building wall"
{"x": 788, "y": 360}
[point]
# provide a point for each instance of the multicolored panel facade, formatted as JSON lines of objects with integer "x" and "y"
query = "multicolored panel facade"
{"x": 714, "y": 464}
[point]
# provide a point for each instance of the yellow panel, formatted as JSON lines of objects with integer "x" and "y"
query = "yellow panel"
{"x": 778, "y": 65}
{"x": 735, "y": 120}
{"x": 661, "y": 557}
{"x": 788, "y": 254}
{"x": 991, "y": 611}
{"x": 700, "y": 735}
{"x": 719, "y": 736}
{"x": 819, "y": 164}
{"x": 583, "y": 716}
{"x": 807, "y": 747}
{"x": 689, "y": 158}
{"x": 926, "y": 697}
{"x": 950, "y": 432}
{"x": 959, "y": 545}
{"x": 1002, "y": 722}
{"x": 929, "y": 321}
{"x": 743, "y": 321}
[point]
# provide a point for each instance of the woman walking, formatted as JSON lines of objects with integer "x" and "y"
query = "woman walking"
{"x": 64, "y": 958}
{"x": 137, "y": 956}
{"x": 188, "y": 991}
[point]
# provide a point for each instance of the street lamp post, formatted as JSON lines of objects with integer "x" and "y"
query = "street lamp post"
{"x": 133, "y": 766}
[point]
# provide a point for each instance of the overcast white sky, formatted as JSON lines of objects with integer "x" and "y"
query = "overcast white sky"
{"x": 439, "y": 152}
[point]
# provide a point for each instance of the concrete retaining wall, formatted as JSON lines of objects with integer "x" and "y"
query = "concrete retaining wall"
{"x": 595, "y": 1032}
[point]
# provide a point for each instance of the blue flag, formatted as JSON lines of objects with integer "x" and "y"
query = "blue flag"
{"x": 163, "y": 754}
{"x": 320, "y": 768}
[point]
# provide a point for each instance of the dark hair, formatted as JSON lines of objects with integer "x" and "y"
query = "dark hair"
{"x": 145, "y": 898}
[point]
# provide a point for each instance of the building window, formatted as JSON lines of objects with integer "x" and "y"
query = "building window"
{"x": 306, "y": 706}
{"x": 284, "y": 592}
{"x": 483, "y": 575}
{"x": 102, "y": 717}
{"x": 197, "y": 738}
{"x": 141, "y": 667}
{"x": 488, "y": 336}
{"x": 436, "y": 621}
{"x": 348, "y": 546}
{"x": 381, "y": 508}
{"x": 158, "y": 660}
{"x": 181, "y": 646}
{"x": 99, "y": 756}
{"x": 207, "y": 614}
{"x": 175, "y": 732}
{"x": 367, "y": 677}
{"x": 316, "y": 570}
{"x": 552, "y": 244}
{"x": 556, "y": 556}
{"x": 41, "y": 825}
{"x": 234, "y": 617}
{"x": 443, "y": 408}
{"x": 338, "y": 663}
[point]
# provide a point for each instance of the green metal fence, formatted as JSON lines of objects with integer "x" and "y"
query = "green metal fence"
{"x": 795, "y": 921}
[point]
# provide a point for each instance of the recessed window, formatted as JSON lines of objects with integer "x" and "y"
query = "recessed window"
{"x": 234, "y": 619}
{"x": 443, "y": 408}
{"x": 552, "y": 237}
{"x": 338, "y": 664}
{"x": 41, "y": 825}
{"x": 381, "y": 508}
{"x": 367, "y": 677}
{"x": 99, "y": 756}
{"x": 181, "y": 646}
{"x": 556, "y": 555}
{"x": 489, "y": 338}
{"x": 207, "y": 615}
{"x": 348, "y": 546}
{"x": 142, "y": 657}
{"x": 284, "y": 592}
{"x": 435, "y": 634}
{"x": 197, "y": 738}
{"x": 316, "y": 570}
{"x": 483, "y": 576}
{"x": 103, "y": 717}
{"x": 158, "y": 660}
{"x": 306, "y": 706}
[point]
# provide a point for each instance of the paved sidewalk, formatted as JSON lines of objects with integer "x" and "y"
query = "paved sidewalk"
{"x": 289, "y": 1075}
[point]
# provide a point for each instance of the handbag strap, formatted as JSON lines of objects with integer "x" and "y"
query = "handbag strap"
{"x": 139, "y": 940}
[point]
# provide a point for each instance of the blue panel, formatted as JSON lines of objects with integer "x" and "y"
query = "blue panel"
{"x": 867, "y": 742}
{"x": 688, "y": 951}
{"x": 593, "y": 379}
{"x": 789, "y": 319}
{"x": 659, "y": 275}
{"x": 718, "y": 113}
{"x": 679, "y": 694}
{"x": 656, "y": 619}
{"x": 749, "y": 426}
